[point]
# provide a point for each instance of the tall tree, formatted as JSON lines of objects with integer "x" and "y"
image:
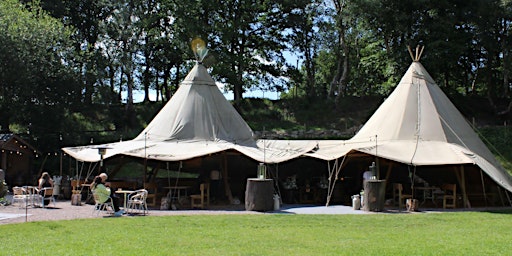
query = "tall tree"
{"x": 38, "y": 84}
{"x": 248, "y": 39}
{"x": 304, "y": 41}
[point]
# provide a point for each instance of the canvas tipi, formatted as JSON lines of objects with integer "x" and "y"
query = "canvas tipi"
{"x": 417, "y": 125}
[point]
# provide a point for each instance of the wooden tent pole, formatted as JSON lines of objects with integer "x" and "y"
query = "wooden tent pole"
{"x": 60, "y": 163}
{"x": 227, "y": 188}
{"x": 389, "y": 170}
{"x": 462, "y": 182}
{"x": 483, "y": 187}
{"x": 332, "y": 180}
{"x": 337, "y": 167}
{"x": 410, "y": 52}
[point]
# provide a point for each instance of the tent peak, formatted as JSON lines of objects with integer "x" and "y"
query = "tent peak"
{"x": 416, "y": 57}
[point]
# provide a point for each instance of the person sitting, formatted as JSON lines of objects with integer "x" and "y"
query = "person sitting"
{"x": 45, "y": 182}
{"x": 103, "y": 192}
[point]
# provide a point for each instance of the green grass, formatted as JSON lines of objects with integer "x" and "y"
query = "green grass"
{"x": 465, "y": 233}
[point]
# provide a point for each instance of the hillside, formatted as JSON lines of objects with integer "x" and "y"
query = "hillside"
{"x": 286, "y": 119}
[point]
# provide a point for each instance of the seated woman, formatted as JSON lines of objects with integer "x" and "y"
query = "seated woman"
{"x": 45, "y": 182}
{"x": 104, "y": 193}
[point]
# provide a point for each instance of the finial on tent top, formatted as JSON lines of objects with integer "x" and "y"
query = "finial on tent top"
{"x": 419, "y": 51}
{"x": 199, "y": 49}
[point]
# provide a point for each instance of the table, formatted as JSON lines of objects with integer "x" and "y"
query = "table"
{"x": 32, "y": 195}
{"x": 125, "y": 194}
{"x": 175, "y": 192}
{"x": 428, "y": 193}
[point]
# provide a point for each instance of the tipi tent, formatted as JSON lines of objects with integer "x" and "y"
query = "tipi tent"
{"x": 417, "y": 125}
{"x": 197, "y": 121}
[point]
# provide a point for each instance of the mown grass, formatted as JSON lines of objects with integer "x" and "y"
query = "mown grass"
{"x": 463, "y": 233}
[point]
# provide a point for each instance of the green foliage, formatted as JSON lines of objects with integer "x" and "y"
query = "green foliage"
{"x": 498, "y": 140}
{"x": 268, "y": 234}
{"x": 3, "y": 189}
{"x": 36, "y": 68}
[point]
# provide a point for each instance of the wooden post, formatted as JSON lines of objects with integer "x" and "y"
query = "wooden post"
{"x": 227, "y": 188}
{"x": 462, "y": 182}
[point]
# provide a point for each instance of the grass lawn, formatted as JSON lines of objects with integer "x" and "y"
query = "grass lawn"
{"x": 455, "y": 233}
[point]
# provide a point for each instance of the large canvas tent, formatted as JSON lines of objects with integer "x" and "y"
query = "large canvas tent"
{"x": 197, "y": 121}
{"x": 417, "y": 125}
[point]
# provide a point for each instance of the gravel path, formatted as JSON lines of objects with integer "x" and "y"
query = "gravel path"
{"x": 63, "y": 210}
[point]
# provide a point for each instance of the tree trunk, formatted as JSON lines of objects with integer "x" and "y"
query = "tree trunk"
{"x": 343, "y": 68}
{"x": 147, "y": 75}
{"x": 238, "y": 86}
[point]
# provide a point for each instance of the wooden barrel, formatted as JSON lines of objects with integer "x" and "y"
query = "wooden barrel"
{"x": 374, "y": 192}
{"x": 259, "y": 195}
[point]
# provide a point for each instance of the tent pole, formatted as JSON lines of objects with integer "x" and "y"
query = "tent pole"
{"x": 508, "y": 197}
{"x": 277, "y": 183}
{"x": 329, "y": 171}
{"x": 462, "y": 182}
{"x": 60, "y": 165}
{"x": 227, "y": 189}
{"x": 483, "y": 186}
{"x": 145, "y": 158}
{"x": 338, "y": 169}
{"x": 377, "y": 159}
{"x": 500, "y": 195}
{"x": 389, "y": 170}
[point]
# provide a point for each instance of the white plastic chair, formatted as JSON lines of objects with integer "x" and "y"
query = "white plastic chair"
{"x": 99, "y": 207}
{"x": 19, "y": 195}
{"x": 137, "y": 202}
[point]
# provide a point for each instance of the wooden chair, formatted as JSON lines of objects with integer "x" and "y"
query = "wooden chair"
{"x": 152, "y": 195}
{"x": 399, "y": 196}
{"x": 47, "y": 193}
{"x": 75, "y": 185}
{"x": 450, "y": 195}
{"x": 203, "y": 199}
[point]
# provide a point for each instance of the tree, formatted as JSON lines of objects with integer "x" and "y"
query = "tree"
{"x": 304, "y": 40}
{"x": 38, "y": 82}
{"x": 248, "y": 40}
